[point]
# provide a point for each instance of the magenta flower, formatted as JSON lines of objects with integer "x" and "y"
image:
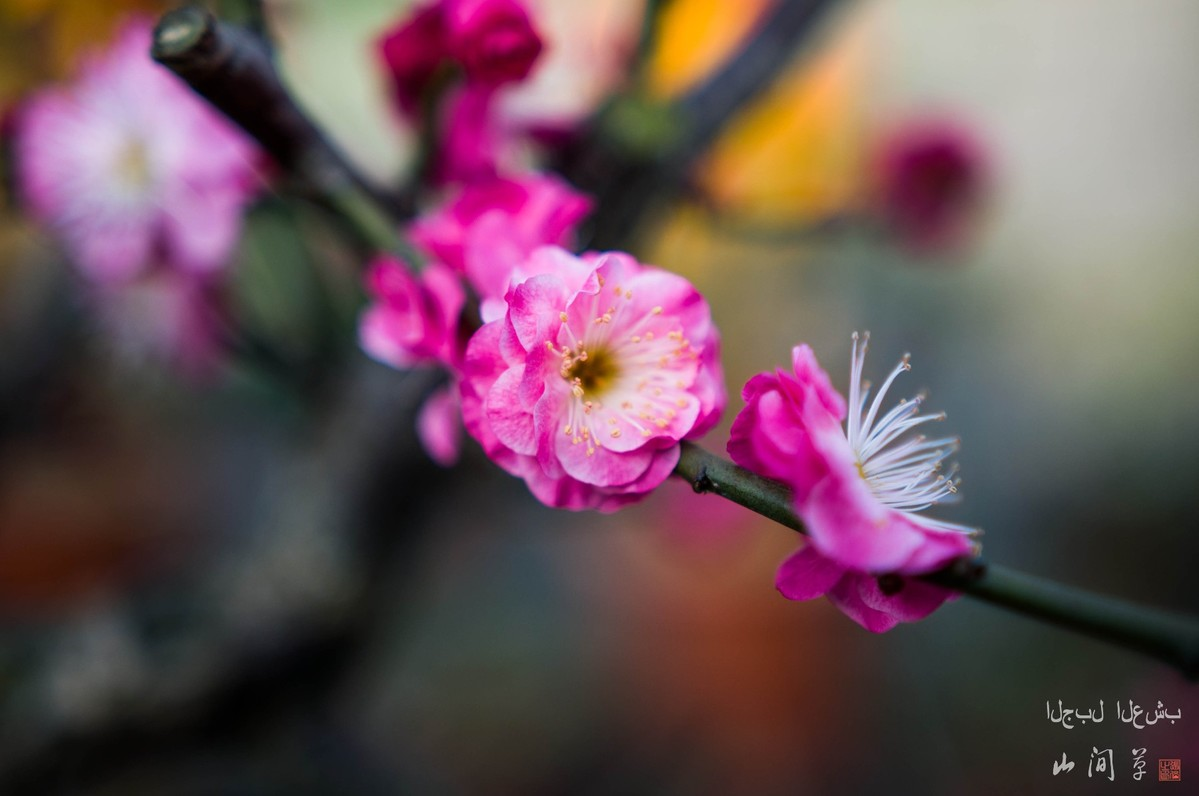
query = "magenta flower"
{"x": 131, "y": 168}
{"x": 494, "y": 40}
{"x": 412, "y": 52}
{"x": 858, "y": 490}
{"x": 595, "y": 372}
{"x": 489, "y": 230}
{"x": 413, "y": 320}
{"x": 931, "y": 178}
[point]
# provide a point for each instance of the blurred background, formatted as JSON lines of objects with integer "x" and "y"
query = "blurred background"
{"x": 221, "y": 587}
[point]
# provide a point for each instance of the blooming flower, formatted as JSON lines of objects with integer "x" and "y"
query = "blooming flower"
{"x": 598, "y": 368}
{"x": 132, "y": 168}
{"x": 413, "y": 320}
{"x": 859, "y": 490}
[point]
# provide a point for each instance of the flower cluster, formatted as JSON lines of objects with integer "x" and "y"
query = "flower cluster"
{"x": 858, "y": 489}
{"x": 111, "y": 162}
{"x": 588, "y": 370}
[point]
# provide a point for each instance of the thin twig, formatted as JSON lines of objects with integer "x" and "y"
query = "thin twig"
{"x": 1169, "y": 637}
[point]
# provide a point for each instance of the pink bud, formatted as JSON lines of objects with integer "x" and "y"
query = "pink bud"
{"x": 930, "y": 180}
{"x": 412, "y": 51}
{"x": 494, "y": 40}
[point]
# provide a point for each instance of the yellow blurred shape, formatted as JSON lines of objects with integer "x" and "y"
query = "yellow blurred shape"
{"x": 695, "y": 37}
{"x": 71, "y": 27}
{"x": 797, "y": 153}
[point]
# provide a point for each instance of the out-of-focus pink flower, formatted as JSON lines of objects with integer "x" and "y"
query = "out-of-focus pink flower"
{"x": 930, "y": 180}
{"x": 489, "y": 230}
{"x": 412, "y": 51}
{"x": 859, "y": 491}
{"x": 439, "y": 426}
{"x": 131, "y": 168}
{"x": 494, "y": 40}
{"x": 596, "y": 371}
{"x": 413, "y": 320}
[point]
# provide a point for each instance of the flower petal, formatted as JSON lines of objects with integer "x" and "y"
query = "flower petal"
{"x": 806, "y": 574}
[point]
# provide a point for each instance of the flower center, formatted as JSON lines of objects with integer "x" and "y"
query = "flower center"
{"x": 629, "y": 371}
{"x": 133, "y": 165}
{"x": 591, "y": 372}
{"x": 902, "y": 470}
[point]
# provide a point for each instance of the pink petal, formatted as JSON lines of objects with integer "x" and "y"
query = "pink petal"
{"x": 533, "y": 308}
{"x": 914, "y": 600}
{"x": 848, "y": 524}
{"x": 439, "y": 427}
{"x": 381, "y": 340}
{"x": 510, "y": 421}
{"x": 847, "y": 596}
{"x": 811, "y": 376}
{"x": 201, "y": 228}
{"x": 937, "y": 550}
{"x": 806, "y": 574}
{"x": 602, "y": 467}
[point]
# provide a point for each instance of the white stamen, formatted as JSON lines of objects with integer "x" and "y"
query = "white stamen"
{"x": 904, "y": 474}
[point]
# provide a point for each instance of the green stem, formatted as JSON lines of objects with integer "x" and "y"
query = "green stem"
{"x": 1169, "y": 637}
{"x": 361, "y": 214}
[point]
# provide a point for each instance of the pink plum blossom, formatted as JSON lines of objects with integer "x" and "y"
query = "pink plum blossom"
{"x": 858, "y": 489}
{"x": 416, "y": 320}
{"x": 930, "y": 176}
{"x": 494, "y": 40}
{"x": 597, "y": 369}
{"x": 413, "y": 319}
{"x": 412, "y": 52}
{"x": 131, "y": 168}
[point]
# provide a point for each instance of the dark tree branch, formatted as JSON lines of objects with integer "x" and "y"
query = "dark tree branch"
{"x": 1168, "y": 637}
{"x": 232, "y": 69}
{"x": 708, "y": 107}
{"x": 634, "y": 174}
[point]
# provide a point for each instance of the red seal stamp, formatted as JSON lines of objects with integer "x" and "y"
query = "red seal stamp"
{"x": 1169, "y": 770}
